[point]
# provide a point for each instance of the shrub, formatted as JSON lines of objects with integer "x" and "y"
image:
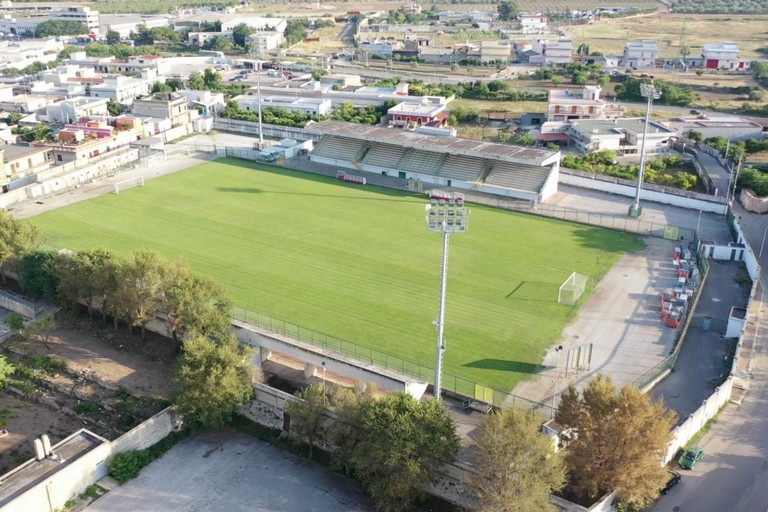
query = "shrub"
{"x": 127, "y": 465}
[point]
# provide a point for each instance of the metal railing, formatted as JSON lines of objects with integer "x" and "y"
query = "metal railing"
{"x": 366, "y": 355}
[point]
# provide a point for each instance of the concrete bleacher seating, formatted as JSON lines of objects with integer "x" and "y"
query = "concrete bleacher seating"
{"x": 383, "y": 155}
{"x": 422, "y": 162}
{"x": 338, "y": 148}
{"x": 517, "y": 176}
{"x": 465, "y": 168}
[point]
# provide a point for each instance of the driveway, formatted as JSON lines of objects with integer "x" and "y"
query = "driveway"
{"x": 231, "y": 472}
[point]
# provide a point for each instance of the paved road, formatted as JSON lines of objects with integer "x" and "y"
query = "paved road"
{"x": 231, "y": 472}
{"x": 733, "y": 476}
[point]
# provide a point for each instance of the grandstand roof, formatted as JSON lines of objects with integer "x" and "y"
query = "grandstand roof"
{"x": 450, "y": 145}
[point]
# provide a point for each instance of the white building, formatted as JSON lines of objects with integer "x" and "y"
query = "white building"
{"x": 63, "y": 90}
{"x": 379, "y": 48}
{"x": 314, "y": 106}
{"x": 206, "y": 101}
{"x": 81, "y": 14}
{"x": 362, "y": 97}
{"x": 565, "y": 105}
{"x": 20, "y": 54}
{"x": 722, "y": 56}
{"x": 68, "y": 73}
{"x": 122, "y": 89}
{"x": 552, "y": 52}
{"x": 417, "y": 114}
{"x": 69, "y": 111}
{"x": 533, "y": 22}
{"x": 124, "y": 24}
{"x": 624, "y": 136}
{"x": 640, "y": 54}
{"x": 265, "y": 41}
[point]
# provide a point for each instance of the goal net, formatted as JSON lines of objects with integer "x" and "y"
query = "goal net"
{"x": 571, "y": 289}
{"x": 130, "y": 183}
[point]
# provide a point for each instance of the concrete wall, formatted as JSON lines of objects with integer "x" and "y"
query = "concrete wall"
{"x": 709, "y": 407}
{"x": 752, "y": 202}
{"x": 68, "y": 176}
{"x": 313, "y": 356}
{"x": 663, "y": 195}
{"x": 147, "y": 433}
{"x": 17, "y": 305}
{"x": 267, "y": 406}
{"x": 269, "y": 130}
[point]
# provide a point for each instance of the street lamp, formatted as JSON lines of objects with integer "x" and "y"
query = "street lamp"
{"x": 762, "y": 244}
{"x": 445, "y": 214}
{"x": 323, "y": 365}
{"x": 650, "y": 93}
{"x": 557, "y": 371}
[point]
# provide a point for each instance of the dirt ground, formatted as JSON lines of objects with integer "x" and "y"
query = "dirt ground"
{"x": 90, "y": 377}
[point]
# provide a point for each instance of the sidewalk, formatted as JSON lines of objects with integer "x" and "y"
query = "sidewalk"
{"x": 97, "y": 188}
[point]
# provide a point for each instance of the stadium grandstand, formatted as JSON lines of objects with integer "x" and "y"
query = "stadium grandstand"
{"x": 499, "y": 169}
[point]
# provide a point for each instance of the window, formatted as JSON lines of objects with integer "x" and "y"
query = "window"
{"x": 58, "y": 157}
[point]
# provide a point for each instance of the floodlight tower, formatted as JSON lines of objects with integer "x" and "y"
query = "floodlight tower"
{"x": 650, "y": 93}
{"x": 256, "y": 52}
{"x": 445, "y": 214}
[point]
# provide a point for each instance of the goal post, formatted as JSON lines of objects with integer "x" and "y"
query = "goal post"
{"x": 571, "y": 289}
{"x": 138, "y": 181}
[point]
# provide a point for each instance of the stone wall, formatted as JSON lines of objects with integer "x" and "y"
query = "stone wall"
{"x": 752, "y": 202}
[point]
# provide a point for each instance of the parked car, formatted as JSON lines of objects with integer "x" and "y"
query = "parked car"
{"x": 695, "y": 112}
{"x": 691, "y": 456}
{"x": 674, "y": 479}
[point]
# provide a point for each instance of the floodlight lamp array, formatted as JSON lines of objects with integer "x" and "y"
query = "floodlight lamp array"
{"x": 447, "y": 214}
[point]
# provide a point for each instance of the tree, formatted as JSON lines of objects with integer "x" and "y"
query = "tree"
{"x": 240, "y": 32}
{"x": 61, "y": 28}
{"x": 516, "y": 467}
{"x": 615, "y": 441}
{"x": 164, "y": 35}
{"x": 556, "y": 80}
{"x": 215, "y": 378}
{"x": 196, "y": 305}
{"x": 401, "y": 445}
{"x": 161, "y": 87}
{"x": 583, "y": 49}
{"x": 140, "y": 279}
{"x": 6, "y": 369}
{"x": 36, "y": 277}
{"x": 113, "y": 107}
{"x": 113, "y": 37}
{"x": 307, "y": 413}
{"x": 218, "y": 43}
{"x": 211, "y": 79}
{"x": 695, "y": 136}
{"x": 603, "y": 80}
{"x": 344, "y": 435}
{"x": 78, "y": 276}
{"x": 40, "y": 328}
{"x": 195, "y": 81}
{"x": 15, "y": 322}
{"x": 507, "y": 10}
{"x": 16, "y": 238}
{"x": 684, "y": 51}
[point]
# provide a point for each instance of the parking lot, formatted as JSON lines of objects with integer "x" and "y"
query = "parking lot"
{"x": 230, "y": 472}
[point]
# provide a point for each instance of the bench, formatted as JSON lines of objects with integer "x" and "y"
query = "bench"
{"x": 474, "y": 405}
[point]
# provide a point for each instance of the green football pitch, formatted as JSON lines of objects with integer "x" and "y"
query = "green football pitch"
{"x": 357, "y": 262}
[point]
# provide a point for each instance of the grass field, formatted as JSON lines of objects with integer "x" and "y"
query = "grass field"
{"x": 356, "y": 262}
{"x": 609, "y": 36}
